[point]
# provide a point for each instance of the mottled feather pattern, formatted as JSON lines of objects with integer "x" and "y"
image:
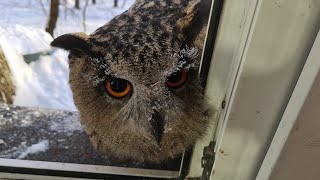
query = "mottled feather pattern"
{"x": 144, "y": 46}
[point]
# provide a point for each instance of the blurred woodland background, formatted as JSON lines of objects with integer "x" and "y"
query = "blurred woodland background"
{"x": 54, "y": 12}
{"x": 32, "y": 73}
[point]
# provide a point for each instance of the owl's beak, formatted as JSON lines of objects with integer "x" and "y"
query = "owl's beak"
{"x": 157, "y": 125}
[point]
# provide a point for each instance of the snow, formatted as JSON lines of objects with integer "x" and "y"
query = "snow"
{"x": 42, "y": 146}
{"x": 29, "y": 13}
{"x": 26, "y": 40}
{"x": 44, "y": 83}
{"x": 25, "y": 131}
{"x": 68, "y": 126}
{"x": 2, "y": 142}
{"x": 22, "y": 151}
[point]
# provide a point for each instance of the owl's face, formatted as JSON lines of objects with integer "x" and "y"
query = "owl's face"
{"x": 136, "y": 85}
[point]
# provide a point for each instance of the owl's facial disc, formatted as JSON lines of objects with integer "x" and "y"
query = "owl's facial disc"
{"x": 119, "y": 88}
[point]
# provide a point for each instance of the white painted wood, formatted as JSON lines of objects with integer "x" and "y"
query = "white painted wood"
{"x": 300, "y": 158}
{"x": 290, "y": 116}
{"x": 88, "y": 168}
{"x": 232, "y": 34}
{"x": 280, "y": 40}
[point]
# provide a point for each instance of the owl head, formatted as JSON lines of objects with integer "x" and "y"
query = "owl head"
{"x": 135, "y": 81}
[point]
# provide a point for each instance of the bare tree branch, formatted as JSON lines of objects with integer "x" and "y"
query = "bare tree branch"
{"x": 43, "y": 8}
{"x": 84, "y": 15}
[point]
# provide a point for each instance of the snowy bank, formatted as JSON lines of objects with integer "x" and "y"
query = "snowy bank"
{"x": 44, "y": 83}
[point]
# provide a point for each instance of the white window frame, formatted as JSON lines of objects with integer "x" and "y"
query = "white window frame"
{"x": 278, "y": 42}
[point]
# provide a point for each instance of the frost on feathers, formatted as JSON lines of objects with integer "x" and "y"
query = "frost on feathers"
{"x": 185, "y": 58}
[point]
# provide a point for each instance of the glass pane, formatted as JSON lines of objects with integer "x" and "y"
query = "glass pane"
{"x": 144, "y": 61}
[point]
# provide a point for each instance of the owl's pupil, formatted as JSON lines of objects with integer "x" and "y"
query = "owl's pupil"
{"x": 175, "y": 77}
{"x": 118, "y": 85}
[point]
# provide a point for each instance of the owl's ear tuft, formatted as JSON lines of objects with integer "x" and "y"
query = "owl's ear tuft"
{"x": 72, "y": 41}
{"x": 189, "y": 16}
{"x": 194, "y": 22}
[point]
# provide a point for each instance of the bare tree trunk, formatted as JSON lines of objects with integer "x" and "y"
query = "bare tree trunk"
{"x": 43, "y": 8}
{"x": 7, "y": 88}
{"x": 123, "y": 3}
{"x": 93, "y": 1}
{"x": 77, "y": 4}
{"x": 54, "y": 13}
{"x": 115, "y": 3}
{"x": 84, "y": 15}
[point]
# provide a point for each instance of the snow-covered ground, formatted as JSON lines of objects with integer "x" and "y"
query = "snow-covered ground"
{"x": 44, "y": 83}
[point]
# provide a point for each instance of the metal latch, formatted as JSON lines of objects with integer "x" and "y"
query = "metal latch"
{"x": 208, "y": 160}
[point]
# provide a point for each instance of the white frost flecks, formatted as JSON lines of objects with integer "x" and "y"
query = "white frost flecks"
{"x": 23, "y": 150}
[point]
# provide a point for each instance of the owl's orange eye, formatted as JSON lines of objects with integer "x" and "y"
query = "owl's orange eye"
{"x": 117, "y": 88}
{"x": 177, "y": 79}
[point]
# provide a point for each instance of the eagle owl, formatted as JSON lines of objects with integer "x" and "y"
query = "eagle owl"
{"x": 135, "y": 80}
